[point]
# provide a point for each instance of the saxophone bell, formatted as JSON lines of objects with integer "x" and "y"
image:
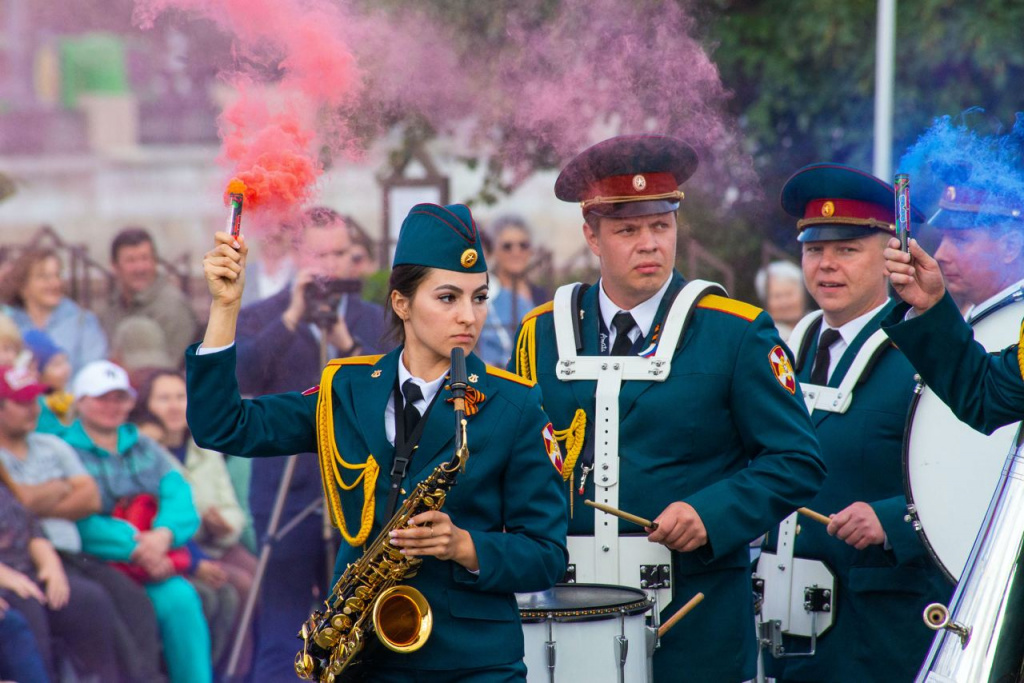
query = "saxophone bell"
{"x": 402, "y": 618}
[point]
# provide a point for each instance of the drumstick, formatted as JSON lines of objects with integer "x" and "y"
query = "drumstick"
{"x": 683, "y": 611}
{"x": 621, "y": 515}
{"x": 816, "y": 516}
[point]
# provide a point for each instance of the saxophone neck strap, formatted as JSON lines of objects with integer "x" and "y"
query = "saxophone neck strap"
{"x": 405, "y": 445}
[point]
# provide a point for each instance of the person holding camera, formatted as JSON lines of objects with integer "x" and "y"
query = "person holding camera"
{"x": 280, "y": 341}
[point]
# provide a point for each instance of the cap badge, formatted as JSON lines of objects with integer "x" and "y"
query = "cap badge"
{"x": 951, "y": 193}
{"x": 639, "y": 182}
{"x": 469, "y": 258}
{"x": 375, "y": 374}
{"x": 828, "y": 209}
{"x": 474, "y": 378}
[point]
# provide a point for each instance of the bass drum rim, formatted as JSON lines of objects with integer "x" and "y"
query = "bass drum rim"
{"x": 908, "y": 491}
{"x": 597, "y": 613}
{"x": 912, "y": 515}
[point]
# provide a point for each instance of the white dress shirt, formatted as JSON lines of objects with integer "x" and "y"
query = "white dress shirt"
{"x": 847, "y": 333}
{"x": 428, "y": 389}
{"x": 643, "y": 313}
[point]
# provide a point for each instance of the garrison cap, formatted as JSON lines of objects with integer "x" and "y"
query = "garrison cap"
{"x": 628, "y": 175}
{"x": 443, "y": 237}
{"x": 836, "y": 202}
{"x": 964, "y": 207}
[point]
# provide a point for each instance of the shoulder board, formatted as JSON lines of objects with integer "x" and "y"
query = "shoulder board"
{"x": 540, "y": 310}
{"x": 357, "y": 360}
{"x": 511, "y": 377}
{"x": 730, "y": 306}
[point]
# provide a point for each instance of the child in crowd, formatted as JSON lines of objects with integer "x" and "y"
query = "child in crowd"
{"x": 10, "y": 340}
{"x": 54, "y": 371}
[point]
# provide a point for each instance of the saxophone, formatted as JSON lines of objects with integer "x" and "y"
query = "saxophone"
{"x": 369, "y": 598}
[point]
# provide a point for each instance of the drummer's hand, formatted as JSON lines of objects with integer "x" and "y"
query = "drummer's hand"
{"x": 915, "y": 276}
{"x": 679, "y": 528}
{"x": 858, "y": 525}
{"x": 224, "y": 268}
{"x": 432, "y": 534}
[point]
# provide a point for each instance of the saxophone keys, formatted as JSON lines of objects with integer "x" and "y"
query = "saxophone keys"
{"x": 327, "y": 638}
{"x": 354, "y": 605}
{"x": 341, "y": 622}
{"x": 364, "y": 593}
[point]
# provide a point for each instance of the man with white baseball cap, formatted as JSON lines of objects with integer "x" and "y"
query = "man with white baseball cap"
{"x": 128, "y": 465}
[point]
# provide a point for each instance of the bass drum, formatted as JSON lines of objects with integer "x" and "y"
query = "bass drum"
{"x": 951, "y": 470}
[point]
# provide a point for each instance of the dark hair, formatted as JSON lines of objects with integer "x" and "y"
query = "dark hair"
{"x": 593, "y": 220}
{"x": 129, "y": 237}
{"x": 321, "y": 216}
{"x": 144, "y": 380}
{"x": 404, "y": 279}
{"x": 17, "y": 277}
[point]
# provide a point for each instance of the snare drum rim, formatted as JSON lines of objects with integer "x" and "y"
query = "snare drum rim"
{"x": 644, "y": 604}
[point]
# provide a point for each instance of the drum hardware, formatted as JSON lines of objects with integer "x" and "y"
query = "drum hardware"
{"x": 797, "y": 595}
{"x": 655, "y": 576}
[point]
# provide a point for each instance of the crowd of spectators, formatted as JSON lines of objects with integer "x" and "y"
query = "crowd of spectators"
{"x": 127, "y": 552}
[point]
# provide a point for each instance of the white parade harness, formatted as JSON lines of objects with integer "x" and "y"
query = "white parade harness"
{"x": 799, "y": 594}
{"x": 605, "y": 557}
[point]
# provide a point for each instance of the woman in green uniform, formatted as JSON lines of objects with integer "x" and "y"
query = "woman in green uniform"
{"x": 502, "y": 527}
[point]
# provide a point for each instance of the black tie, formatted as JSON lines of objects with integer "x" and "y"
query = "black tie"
{"x": 623, "y": 323}
{"x": 412, "y": 393}
{"x": 822, "y": 359}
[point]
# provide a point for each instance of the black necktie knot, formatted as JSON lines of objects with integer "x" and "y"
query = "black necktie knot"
{"x": 623, "y": 323}
{"x": 823, "y": 358}
{"x": 411, "y": 391}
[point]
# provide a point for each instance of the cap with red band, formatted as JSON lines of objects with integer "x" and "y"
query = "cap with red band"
{"x": 629, "y": 175}
{"x": 20, "y": 384}
{"x": 836, "y": 202}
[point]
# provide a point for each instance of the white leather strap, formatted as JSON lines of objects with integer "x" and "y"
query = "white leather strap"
{"x": 838, "y": 399}
{"x": 610, "y": 371}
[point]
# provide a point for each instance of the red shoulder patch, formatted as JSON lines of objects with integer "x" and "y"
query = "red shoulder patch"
{"x": 551, "y": 446}
{"x": 311, "y": 390}
{"x": 782, "y": 368}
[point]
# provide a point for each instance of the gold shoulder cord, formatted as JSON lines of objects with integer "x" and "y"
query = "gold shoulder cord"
{"x": 1020, "y": 351}
{"x": 571, "y": 436}
{"x": 330, "y": 458}
{"x": 526, "y": 351}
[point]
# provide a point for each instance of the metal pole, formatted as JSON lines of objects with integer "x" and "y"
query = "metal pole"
{"x": 885, "y": 53}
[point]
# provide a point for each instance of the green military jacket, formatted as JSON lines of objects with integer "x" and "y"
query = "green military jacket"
{"x": 727, "y": 432}
{"x": 877, "y": 632}
{"x": 507, "y": 499}
{"x": 984, "y": 390}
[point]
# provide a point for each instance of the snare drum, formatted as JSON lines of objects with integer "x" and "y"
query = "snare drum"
{"x": 587, "y": 632}
{"x": 950, "y": 470}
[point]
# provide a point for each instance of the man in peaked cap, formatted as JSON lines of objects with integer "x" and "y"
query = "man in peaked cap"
{"x": 699, "y": 429}
{"x": 883, "y": 575}
{"x": 987, "y": 226}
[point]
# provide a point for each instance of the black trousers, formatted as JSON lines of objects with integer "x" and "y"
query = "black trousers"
{"x": 136, "y": 637}
{"x": 83, "y": 628}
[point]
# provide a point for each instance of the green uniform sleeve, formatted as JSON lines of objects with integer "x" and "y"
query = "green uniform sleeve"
{"x": 530, "y": 554}
{"x": 905, "y": 542}
{"x": 176, "y": 511}
{"x": 984, "y": 390}
{"x": 279, "y": 424}
{"x": 107, "y": 538}
{"x": 785, "y": 469}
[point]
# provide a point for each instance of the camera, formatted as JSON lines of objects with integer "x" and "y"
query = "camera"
{"x": 322, "y": 296}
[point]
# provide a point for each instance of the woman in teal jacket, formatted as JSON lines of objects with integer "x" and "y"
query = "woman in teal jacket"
{"x": 502, "y": 528}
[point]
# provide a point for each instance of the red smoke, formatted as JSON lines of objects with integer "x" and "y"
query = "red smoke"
{"x": 271, "y": 141}
{"x": 531, "y": 95}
